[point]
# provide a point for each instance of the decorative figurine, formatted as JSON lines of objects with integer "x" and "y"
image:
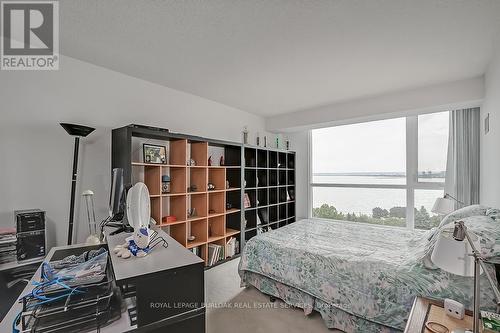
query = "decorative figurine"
{"x": 257, "y": 140}
{"x": 192, "y": 188}
{"x": 191, "y": 162}
{"x": 142, "y": 242}
{"x": 165, "y": 184}
{"x": 191, "y": 212}
{"x": 287, "y": 144}
{"x": 245, "y": 135}
{"x": 277, "y": 142}
{"x": 221, "y": 161}
{"x": 210, "y": 160}
{"x": 227, "y": 184}
{"x": 265, "y": 141}
{"x": 211, "y": 187}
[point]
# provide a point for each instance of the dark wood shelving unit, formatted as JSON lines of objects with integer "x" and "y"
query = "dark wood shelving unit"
{"x": 269, "y": 182}
{"x": 214, "y": 222}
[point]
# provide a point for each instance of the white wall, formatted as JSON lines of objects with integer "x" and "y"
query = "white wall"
{"x": 36, "y": 153}
{"x": 300, "y": 143}
{"x": 490, "y": 143}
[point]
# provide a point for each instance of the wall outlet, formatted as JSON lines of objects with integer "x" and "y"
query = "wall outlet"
{"x": 454, "y": 309}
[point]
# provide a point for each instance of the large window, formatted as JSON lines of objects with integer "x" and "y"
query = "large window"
{"x": 382, "y": 172}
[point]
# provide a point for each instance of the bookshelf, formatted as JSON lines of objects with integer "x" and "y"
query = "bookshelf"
{"x": 217, "y": 213}
{"x": 266, "y": 175}
{"x": 269, "y": 183}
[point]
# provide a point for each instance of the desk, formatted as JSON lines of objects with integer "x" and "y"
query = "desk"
{"x": 172, "y": 276}
{"x": 169, "y": 285}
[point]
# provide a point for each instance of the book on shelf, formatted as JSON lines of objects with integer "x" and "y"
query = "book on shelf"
{"x": 211, "y": 253}
{"x": 196, "y": 251}
{"x": 215, "y": 253}
{"x": 231, "y": 247}
{"x": 246, "y": 201}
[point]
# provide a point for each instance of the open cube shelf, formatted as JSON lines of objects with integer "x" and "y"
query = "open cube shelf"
{"x": 185, "y": 206}
{"x": 270, "y": 186}
{"x": 179, "y": 208}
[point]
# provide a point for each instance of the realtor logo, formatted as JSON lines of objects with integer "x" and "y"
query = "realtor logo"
{"x": 30, "y": 35}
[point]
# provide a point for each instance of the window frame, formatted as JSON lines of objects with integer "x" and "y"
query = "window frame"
{"x": 412, "y": 182}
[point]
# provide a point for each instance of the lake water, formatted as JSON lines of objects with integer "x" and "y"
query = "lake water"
{"x": 363, "y": 200}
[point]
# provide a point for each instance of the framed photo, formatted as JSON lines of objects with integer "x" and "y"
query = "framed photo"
{"x": 154, "y": 154}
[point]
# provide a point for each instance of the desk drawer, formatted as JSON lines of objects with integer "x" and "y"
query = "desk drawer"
{"x": 169, "y": 293}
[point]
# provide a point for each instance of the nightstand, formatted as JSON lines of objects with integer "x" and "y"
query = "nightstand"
{"x": 425, "y": 309}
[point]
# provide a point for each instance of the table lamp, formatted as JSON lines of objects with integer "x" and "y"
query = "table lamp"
{"x": 458, "y": 252}
{"x": 446, "y": 205}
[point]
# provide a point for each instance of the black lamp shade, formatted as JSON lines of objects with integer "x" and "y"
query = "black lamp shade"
{"x": 77, "y": 130}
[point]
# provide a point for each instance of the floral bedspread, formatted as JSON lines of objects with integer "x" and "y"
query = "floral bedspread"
{"x": 370, "y": 272}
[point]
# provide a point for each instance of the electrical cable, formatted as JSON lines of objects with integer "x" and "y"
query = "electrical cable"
{"x": 51, "y": 279}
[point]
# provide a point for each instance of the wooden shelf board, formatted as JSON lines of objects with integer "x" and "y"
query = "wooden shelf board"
{"x": 215, "y": 238}
{"x": 232, "y": 210}
{"x": 216, "y": 191}
{"x": 172, "y": 223}
{"x": 194, "y": 243}
{"x": 231, "y": 232}
{"x": 146, "y": 164}
{"x": 198, "y": 166}
{"x": 197, "y": 192}
{"x": 173, "y": 194}
{"x": 215, "y": 214}
{"x": 196, "y": 218}
{"x": 158, "y": 165}
{"x": 233, "y": 189}
{"x": 154, "y": 196}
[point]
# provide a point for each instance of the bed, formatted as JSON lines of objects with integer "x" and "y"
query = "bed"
{"x": 361, "y": 278}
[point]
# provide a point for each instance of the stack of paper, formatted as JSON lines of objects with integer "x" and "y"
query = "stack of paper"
{"x": 7, "y": 245}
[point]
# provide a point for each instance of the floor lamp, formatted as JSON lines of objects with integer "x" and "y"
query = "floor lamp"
{"x": 78, "y": 131}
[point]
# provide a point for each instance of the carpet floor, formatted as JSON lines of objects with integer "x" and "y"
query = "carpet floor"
{"x": 246, "y": 310}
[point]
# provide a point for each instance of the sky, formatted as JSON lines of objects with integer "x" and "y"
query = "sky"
{"x": 380, "y": 146}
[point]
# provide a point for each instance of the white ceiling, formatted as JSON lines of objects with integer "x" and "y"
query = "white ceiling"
{"x": 273, "y": 57}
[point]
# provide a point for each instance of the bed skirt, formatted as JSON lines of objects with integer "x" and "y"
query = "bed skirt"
{"x": 332, "y": 316}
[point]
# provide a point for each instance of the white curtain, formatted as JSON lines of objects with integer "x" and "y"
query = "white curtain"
{"x": 462, "y": 169}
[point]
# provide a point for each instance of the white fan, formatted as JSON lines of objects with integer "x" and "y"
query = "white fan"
{"x": 138, "y": 206}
